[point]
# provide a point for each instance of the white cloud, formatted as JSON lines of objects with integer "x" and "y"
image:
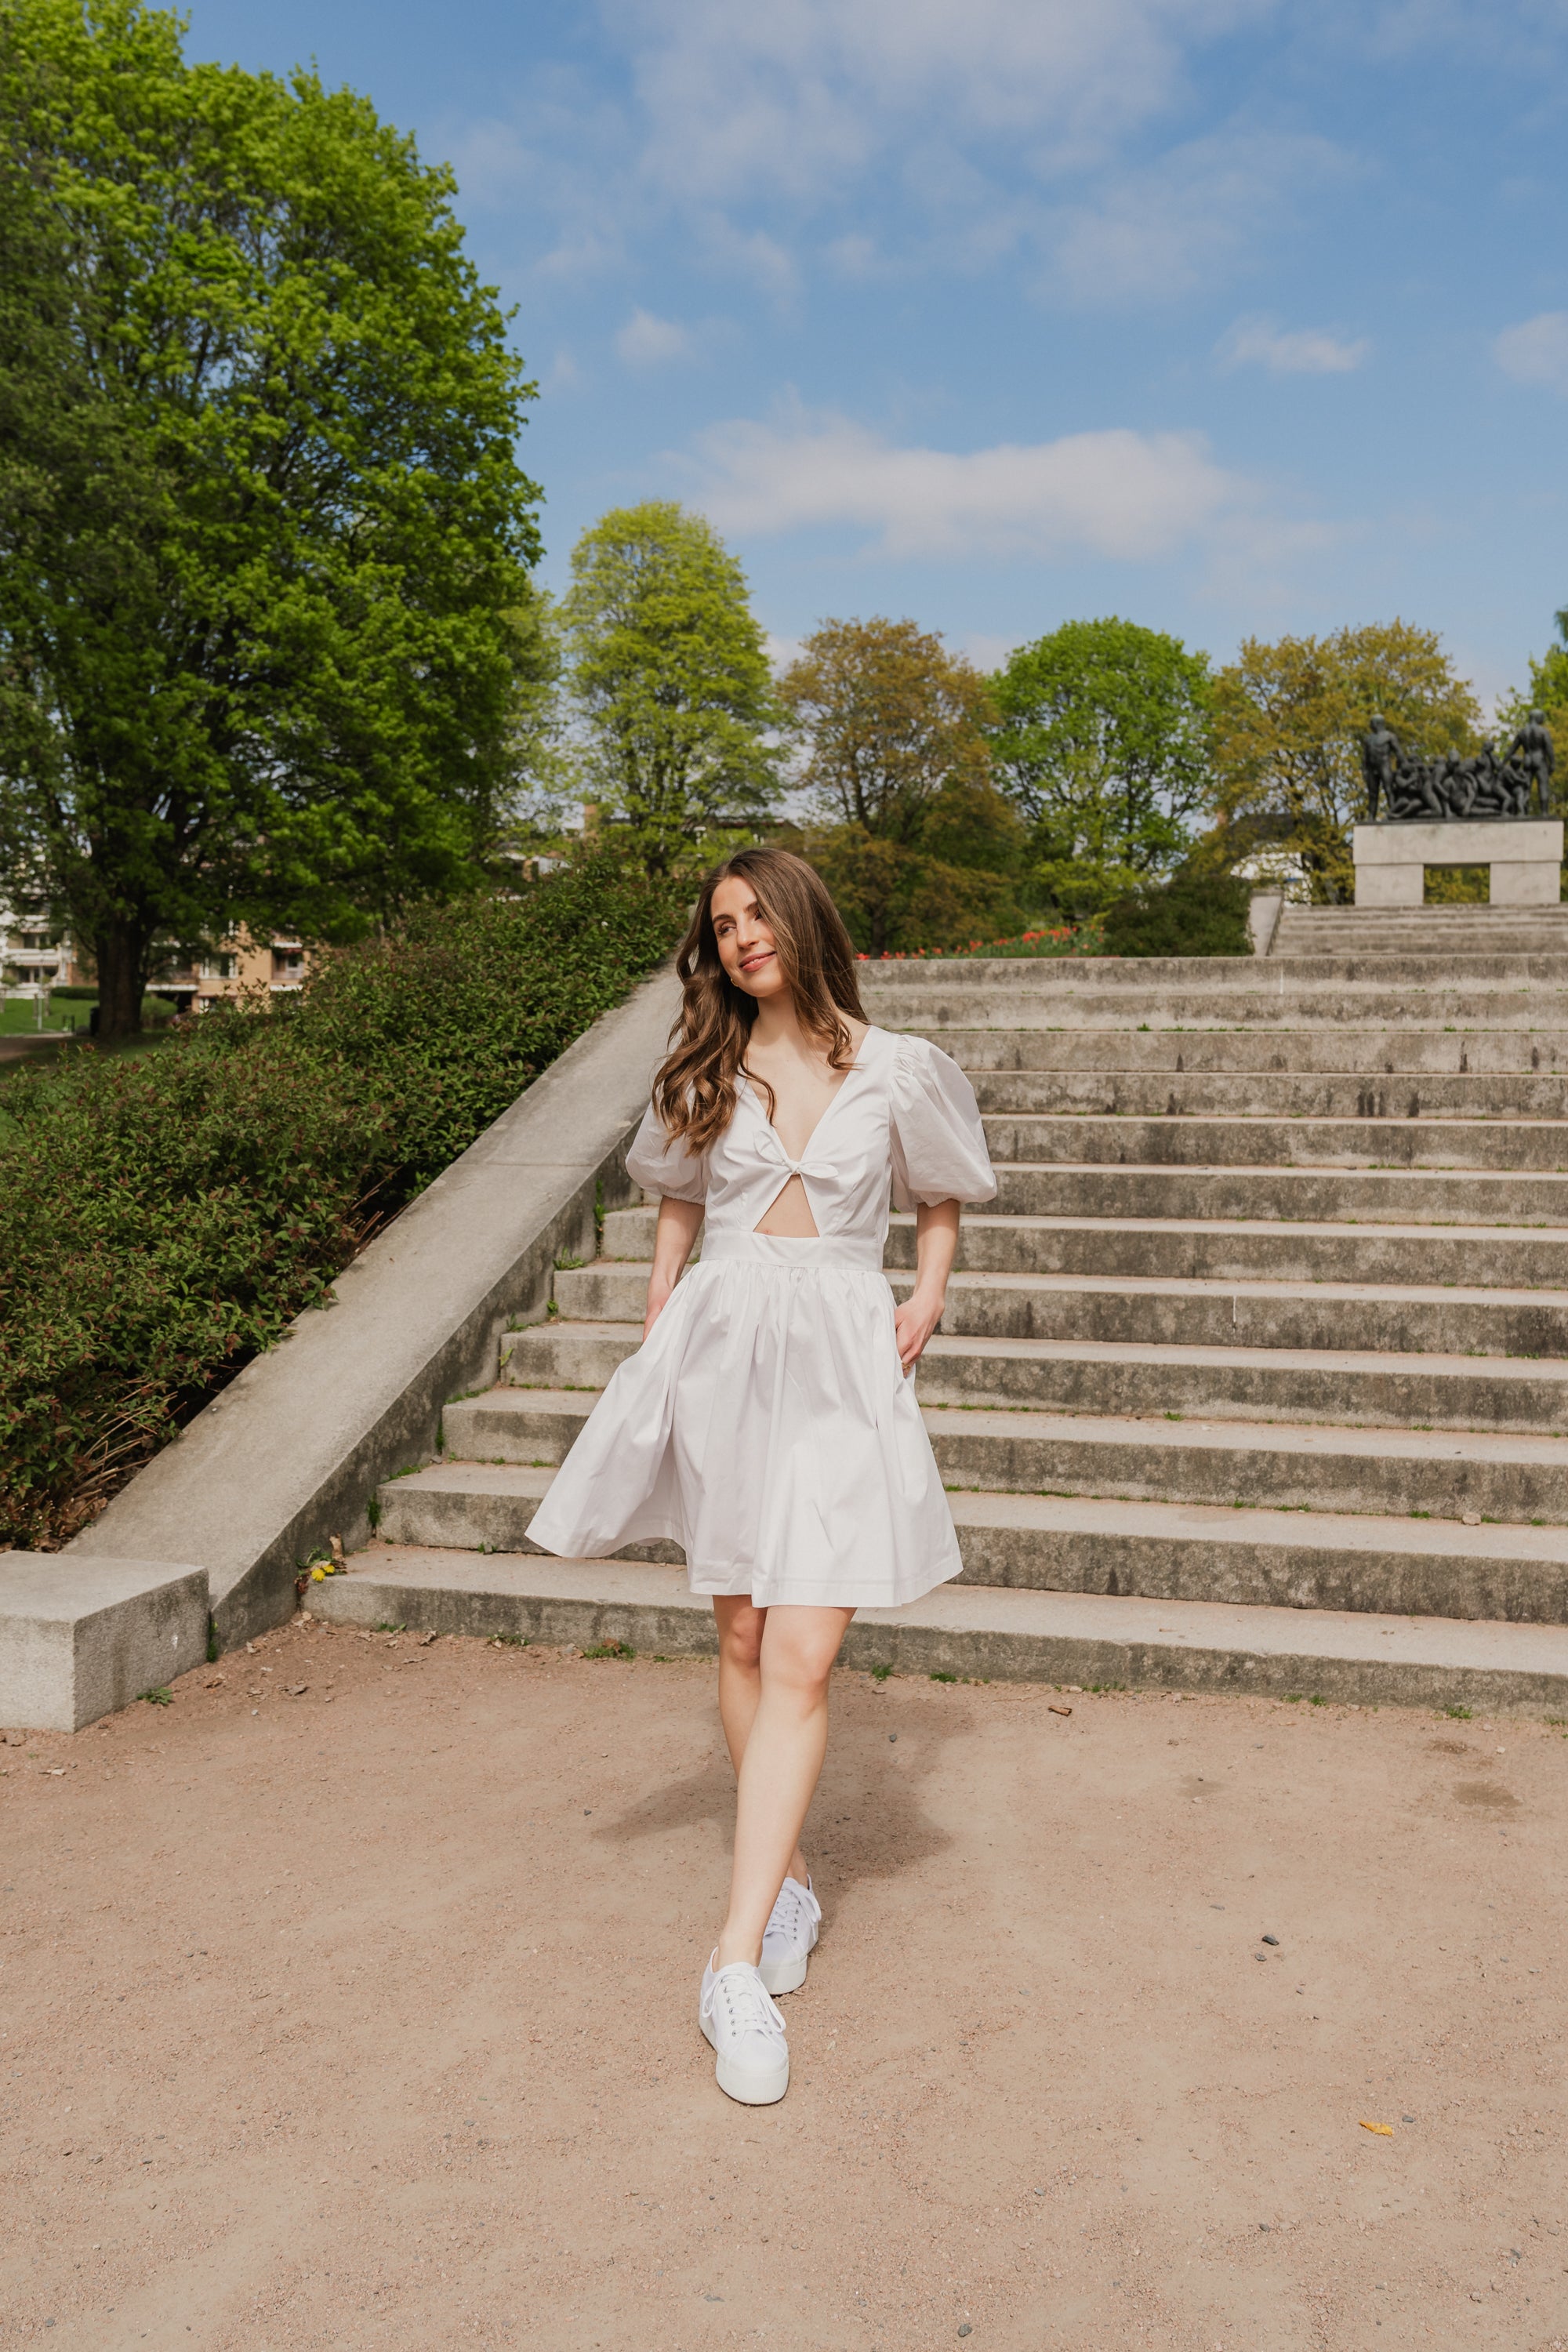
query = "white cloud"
{"x": 986, "y": 649}
{"x": 972, "y": 124}
{"x": 781, "y": 651}
{"x": 647, "y": 341}
{"x": 1290, "y": 351}
{"x": 1536, "y": 352}
{"x": 1162, "y": 230}
{"x": 800, "y": 95}
{"x": 1135, "y": 497}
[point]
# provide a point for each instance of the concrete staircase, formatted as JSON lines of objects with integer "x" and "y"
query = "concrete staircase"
{"x": 1421, "y": 930}
{"x": 1255, "y": 1375}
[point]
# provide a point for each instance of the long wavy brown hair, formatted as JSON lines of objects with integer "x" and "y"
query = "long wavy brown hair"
{"x": 694, "y": 1092}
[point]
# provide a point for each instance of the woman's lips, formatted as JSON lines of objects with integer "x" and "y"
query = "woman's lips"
{"x": 754, "y": 963}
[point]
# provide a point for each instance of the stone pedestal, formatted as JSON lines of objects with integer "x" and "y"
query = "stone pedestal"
{"x": 1524, "y": 853}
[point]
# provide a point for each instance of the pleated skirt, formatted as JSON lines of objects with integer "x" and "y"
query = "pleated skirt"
{"x": 767, "y": 1427}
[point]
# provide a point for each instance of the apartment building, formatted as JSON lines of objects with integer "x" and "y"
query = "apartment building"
{"x": 35, "y": 959}
{"x": 198, "y": 977}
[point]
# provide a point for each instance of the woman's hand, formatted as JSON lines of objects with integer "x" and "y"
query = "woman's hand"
{"x": 658, "y": 1297}
{"x": 673, "y": 1237}
{"x": 914, "y": 1322}
{"x": 936, "y": 1240}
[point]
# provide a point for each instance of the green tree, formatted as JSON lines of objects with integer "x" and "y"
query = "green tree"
{"x": 1288, "y": 719}
{"x": 1103, "y": 747}
{"x": 544, "y": 767}
{"x": 261, "y": 521}
{"x": 1548, "y": 693}
{"x": 671, "y": 678}
{"x": 918, "y": 846}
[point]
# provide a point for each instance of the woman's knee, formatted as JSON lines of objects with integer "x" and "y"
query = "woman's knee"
{"x": 741, "y": 1630}
{"x": 802, "y": 1656}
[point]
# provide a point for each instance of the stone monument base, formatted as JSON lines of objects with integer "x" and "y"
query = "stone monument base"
{"x": 1524, "y": 853}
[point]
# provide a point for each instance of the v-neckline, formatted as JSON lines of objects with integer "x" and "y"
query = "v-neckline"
{"x": 755, "y": 1099}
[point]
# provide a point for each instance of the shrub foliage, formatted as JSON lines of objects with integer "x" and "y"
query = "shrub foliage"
{"x": 164, "y": 1219}
{"x": 1200, "y": 911}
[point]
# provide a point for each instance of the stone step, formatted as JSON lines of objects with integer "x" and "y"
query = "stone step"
{"x": 1081, "y": 1544}
{"x": 1499, "y": 958}
{"x": 1088, "y": 1137}
{"x": 1419, "y": 931}
{"x": 1332, "y": 1468}
{"x": 1337, "y": 1386}
{"x": 1338, "y": 1051}
{"x": 1506, "y": 1004}
{"x": 477, "y": 1507}
{"x": 1388, "y": 1472}
{"x": 1119, "y": 1377}
{"x": 1085, "y": 1638}
{"x": 1216, "y": 1249}
{"x": 1397, "y": 1567}
{"x": 1390, "y": 1317}
{"x": 1270, "y": 1095}
{"x": 1313, "y": 1194}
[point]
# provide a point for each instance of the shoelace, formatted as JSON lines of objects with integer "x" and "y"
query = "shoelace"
{"x": 793, "y": 1911}
{"x": 748, "y": 2009}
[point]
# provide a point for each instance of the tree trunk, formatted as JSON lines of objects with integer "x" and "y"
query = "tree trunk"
{"x": 121, "y": 952}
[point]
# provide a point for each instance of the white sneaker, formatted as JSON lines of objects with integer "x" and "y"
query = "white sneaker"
{"x": 790, "y": 1937}
{"x": 747, "y": 2033}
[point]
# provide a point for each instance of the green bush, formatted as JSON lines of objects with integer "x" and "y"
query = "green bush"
{"x": 1200, "y": 911}
{"x": 164, "y": 1218}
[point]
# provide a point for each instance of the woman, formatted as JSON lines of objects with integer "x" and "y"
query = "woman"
{"x": 769, "y": 1424}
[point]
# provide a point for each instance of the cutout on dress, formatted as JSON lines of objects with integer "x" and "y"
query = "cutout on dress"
{"x": 793, "y": 1205}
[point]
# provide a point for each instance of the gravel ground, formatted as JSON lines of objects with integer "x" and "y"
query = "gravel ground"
{"x": 349, "y": 2000}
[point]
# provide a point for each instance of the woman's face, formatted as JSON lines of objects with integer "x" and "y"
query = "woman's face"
{"x": 745, "y": 939}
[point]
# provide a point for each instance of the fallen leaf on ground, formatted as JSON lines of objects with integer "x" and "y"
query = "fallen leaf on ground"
{"x": 1383, "y": 2131}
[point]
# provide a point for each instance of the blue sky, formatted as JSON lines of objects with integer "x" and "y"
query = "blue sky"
{"x": 1230, "y": 317}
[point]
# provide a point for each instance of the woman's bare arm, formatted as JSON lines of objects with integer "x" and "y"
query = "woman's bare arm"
{"x": 678, "y": 1224}
{"x": 936, "y": 1240}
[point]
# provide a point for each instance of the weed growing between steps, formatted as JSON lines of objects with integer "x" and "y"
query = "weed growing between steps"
{"x": 164, "y": 1219}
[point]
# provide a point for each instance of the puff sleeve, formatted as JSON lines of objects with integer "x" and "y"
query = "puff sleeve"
{"x": 938, "y": 1143}
{"x": 661, "y": 1164}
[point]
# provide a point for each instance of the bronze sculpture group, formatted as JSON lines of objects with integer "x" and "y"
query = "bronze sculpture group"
{"x": 1454, "y": 786}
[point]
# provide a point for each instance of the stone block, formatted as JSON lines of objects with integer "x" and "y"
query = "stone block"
{"x": 1263, "y": 911}
{"x": 1525, "y": 855}
{"x": 1516, "y": 841}
{"x": 1390, "y": 886}
{"x": 1516, "y": 884}
{"x": 79, "y": 1637}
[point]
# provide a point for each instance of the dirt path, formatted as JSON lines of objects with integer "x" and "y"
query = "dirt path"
{"x": 362, "y": 2014}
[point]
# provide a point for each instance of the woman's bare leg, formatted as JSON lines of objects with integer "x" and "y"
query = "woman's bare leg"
{"x": 741, "y": 1624}
{"x": 777, "y": 1773}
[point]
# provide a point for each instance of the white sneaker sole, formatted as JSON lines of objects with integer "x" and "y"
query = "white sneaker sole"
{"x": 749, "y": 2086}
{"x": 786, "y": 1976}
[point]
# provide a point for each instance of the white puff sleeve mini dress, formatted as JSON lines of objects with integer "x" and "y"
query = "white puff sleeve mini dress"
{"x": 766, "y": 1425}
